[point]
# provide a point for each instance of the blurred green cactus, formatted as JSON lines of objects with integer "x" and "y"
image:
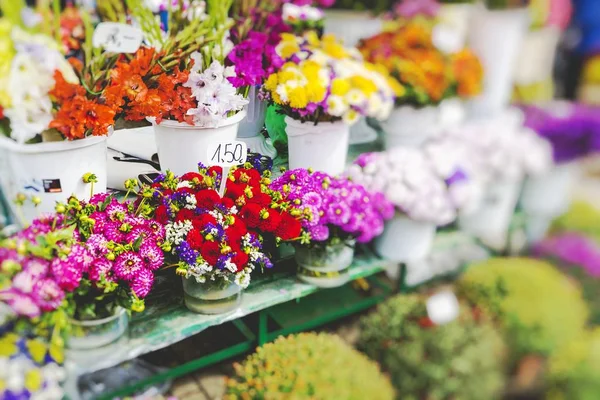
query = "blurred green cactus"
{"x": 574, "y": 370}
{"x": 308, "y": 366}
{"x": 538, "y": 308}
{"x": 459, "y": 360}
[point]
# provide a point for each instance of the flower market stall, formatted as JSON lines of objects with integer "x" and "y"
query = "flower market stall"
{"x": 262, "y": 168}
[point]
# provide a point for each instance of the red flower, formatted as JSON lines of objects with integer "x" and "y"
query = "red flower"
{"x": 262, "y": 199}
{"x": 271, "y": 223}
{"x": 195, "y": 239}
{"x": 210, "y": 252}
{"x": 185, "y": 190}
{"x": 185, "y": 215}
{"x": 161, "y": 214}
{"x": 246, "y": 175}
{"x": 200, "y": 221}
{"x": 215, "y": 170}
{"x": 240, "y": 259}
{"x": 227, "y": 202}
{"x": 250, "y": 214}
{"x": 235, "y": 190}
{"x": 237, "y": 229}
{"x": 289, "y": 228}
{"x": 207, "y": 198}
{"x": 190, "y": 176}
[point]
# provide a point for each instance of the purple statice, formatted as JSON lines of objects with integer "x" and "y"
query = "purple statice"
{"x": 186, "y": 253}
{"x": 573, "y": 249}
{"x": 142, "y": 283}
{"x": 127, "y": 266}
{"x": 152, "y": 255}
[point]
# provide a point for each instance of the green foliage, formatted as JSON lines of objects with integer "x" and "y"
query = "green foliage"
{"x": 275, "y": 124}
{"x": 308, "y": 366}
{"x": 459, "y": 360}
{"x": 574, "y": 370}
{"x": 505, "y": 4}
{"x": 582, "y": 217}
{"x": 539, "y": 309}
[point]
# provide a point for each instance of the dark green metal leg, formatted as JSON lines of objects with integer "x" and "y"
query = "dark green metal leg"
{"x": 263, "y": 334}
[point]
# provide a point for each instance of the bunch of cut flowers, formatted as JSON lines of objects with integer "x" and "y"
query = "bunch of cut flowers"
{"x": 219, "y": 239}
{"x": 323, "y": 81}
{"x": 333, "y": 210}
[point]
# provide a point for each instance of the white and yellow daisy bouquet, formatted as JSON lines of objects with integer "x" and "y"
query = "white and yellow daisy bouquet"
{"x": 321, "y": 80}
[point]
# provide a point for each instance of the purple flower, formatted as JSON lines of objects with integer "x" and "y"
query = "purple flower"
{"x": 140, "y": 230}
{"x": 100, "y": 267}
{"x": 113, "y": 233}
{"x": 152, "y": 255}
{"x": 127, "y": 266}
{"x": 186, "y": 253}
{"x": 116, "y": 211}
{"x": 412, "y": 8}
{"x": 572, "y": 248}
{"x": 69, "y": 271}
{"x": 319, "y": 233}
{"x": 222, "y": 260}
{"x": 338, "y": 213}
{"x": 36, "y": 267}
{"x": 100, "y": 221}
{"x": 156, "y": 228}
{"x": 312, "y": 199}
{"x": 24, "y": 282}
{"x": 99, "y": 198}
{"x": 96, "y": 244}
{"x": 21, "y": 304}
{"x": 142, "y": 283}
{"x": 48, "y": 295}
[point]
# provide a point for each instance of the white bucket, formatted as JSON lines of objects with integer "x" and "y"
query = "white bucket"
{"x": 496, "y": 37}
{"x": 256, "y": 111}
{"x": 536, "y": 56}
{"x": 323, "y": 147}
{"x": 456, "y": 17}
{"x": 405, "y": 240}
{"x": 351, "y": 26}
{"x": 182, "y": 146}
{"x": 53, "y": 171}
{"x": 490, "y": 222}
{"x": 549, "y": 194}
{"x": 410, "y": 127}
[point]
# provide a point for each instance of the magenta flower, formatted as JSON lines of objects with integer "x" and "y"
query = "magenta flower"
{"x": 116, "y": 211}
{"x": 100, "y": 267}
{"x": 97, "y": 245}
{"x": 99, "y": 198}
{"x": 21, "y": 304}
{"x": 156, "y": 228}
{"x": 36, "y": 267}
{"x": 48, "y": 295}
{"x": 571, "y": 248}
{"x": 112, "y": 232}
{"x": 24, "y": 282}
{"x": 412, "y": 8}
{"x": 152, "y": 255}
{"x": 100, "y": 221}
{"x": 67, "y": 274}
{"x": 127, "y": 266}
{"x": 319, "y": 233}
{"x": 142, "y": 283}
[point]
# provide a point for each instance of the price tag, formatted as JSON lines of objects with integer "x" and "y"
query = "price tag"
{"x": 117, "y": 38}
{"x": 226, "y": 155}
{"x": 443, "y": 308}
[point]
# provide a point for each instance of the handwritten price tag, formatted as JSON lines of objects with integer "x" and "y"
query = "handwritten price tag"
{"x": 227, "y": 154}
{"x": 117, "y": 38}
{"x": 443, "y": 308}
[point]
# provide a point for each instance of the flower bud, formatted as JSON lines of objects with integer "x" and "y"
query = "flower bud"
{"x": 110, "y": 256}
{"x": 60, "y": 208}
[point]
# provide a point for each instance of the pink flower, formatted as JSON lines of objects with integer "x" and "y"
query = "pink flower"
{"x": 100, "y": 267}
{"x": 127, "y": 266}
{"x": 152, "y": 255}
{"x": 116, "y": 211}
{"x": 112, "y": 232}
{"x": 21, "y": 304}
{"x": 48, "y": 294}
{"x": 96, "y": 244}
{"x": 36, "y": 267}
{"x": 138, "y": 231}
{"x": 157, "y": 228}
{"x": 67, "y": 274}
{"x": 99, "y": 198}
{"x": 142, "y": 283}
{"x": 100, "y": 219}
{"x": 24, "y": 282}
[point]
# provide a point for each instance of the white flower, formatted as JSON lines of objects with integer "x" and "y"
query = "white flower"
{"x": 177, "y": 231}
{"x": 190, "y": 202}
{"x": 351, "y": 117}
{"x": 356, "y": 97}
{"x": 336, "y": 106}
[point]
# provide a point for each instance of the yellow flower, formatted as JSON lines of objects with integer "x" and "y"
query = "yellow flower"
{"x": 340, "y": 87}
{"x": 33, "y": 380}
{"x": 286, "y": 50}
{"x": 8, "y": 345}
{"x": 365, "y": 85}
{"x": 397, "y": 88}
{"x": 350, "y": 117}
{"x": 315, "y": 92}
{"x": 298, "y": 97}
{"x": 310, "y": 69}
{"x": 276, "y": 98}
{"x": 312, "y": 38}
{"x": 271, "y": 82}
{"x": 37, "y": 350}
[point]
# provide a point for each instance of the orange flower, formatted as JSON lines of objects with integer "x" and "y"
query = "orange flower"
{"x": 468, "y": 73}
{"x": 64, "y": 90}
{"x": 150, "y": 105}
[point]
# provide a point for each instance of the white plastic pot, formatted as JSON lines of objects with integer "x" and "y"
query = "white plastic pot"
{"x": 549, "y": 194}
{"x": 455, "y": 19}
{"x": 491, "y": 220}
{"x": 352, "y": 26}
{"x": 182, "y": 146}
{"x": 496, "y": 37}
{"x": 323, "y": 147}
{"x": 405, "y": 240}
{"x": 410, "y": 127}
{"x": 536, "y": 56}
{"x": 256, "y": 111}
{"x": 53, "y": 171}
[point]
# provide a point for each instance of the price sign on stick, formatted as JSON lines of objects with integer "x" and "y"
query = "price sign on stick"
{"x": 443, "y": 308}
{"x": 117, "y": 38}
{"x": 226, "y": 155}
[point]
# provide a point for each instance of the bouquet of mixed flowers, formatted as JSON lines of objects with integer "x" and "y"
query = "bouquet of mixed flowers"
{"x": 333, "y": 209}
{"x": 216, "y": 238}
{"x": 83, "y": 262}
{"x": 408, "y": 180}
{"x": 303, "y": 17}
{"x": 322, "y": 80}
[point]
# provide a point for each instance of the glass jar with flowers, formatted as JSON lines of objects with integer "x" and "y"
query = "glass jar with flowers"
{"x": 82, "y": 270}
{"x": 336, "y": 214}
{"x": 322, "y": 89}
{"x": 39, "y": 159}
{"x": 423, "y": 76}
{"x": 214, "y": 242}
{"x": 420, "y": 196}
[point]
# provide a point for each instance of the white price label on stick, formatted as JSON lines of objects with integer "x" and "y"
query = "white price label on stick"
{"x": 443, "y": 308}
{"x": 227, "y": 154}
{"x": 117, "y": 38}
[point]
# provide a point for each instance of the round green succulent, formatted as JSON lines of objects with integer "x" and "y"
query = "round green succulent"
{"x": 308, "y": 366}
{"x": 462, "y": 359}
{"x": 574, "y": 370}
{"x": 538, "y": 308}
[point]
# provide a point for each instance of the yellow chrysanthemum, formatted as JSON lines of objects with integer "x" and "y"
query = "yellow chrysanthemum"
{"x": 315, "y": 92}
{"x": 57, "y": 353}
{"x": 8, "y": 345}
{"x": 286, "y": 50}
{"x": 312, "y": 38}
{"x": 33, "y": 380}
{"x": 298, "y": 97}
{"x": 310, "y": 70}
{"x": 397, "y": 88}
{"x": 363, "y": 84}
{"x": 272, "y": 82}
{"x": 276, "y": 98}
{"x": 37, "y": 350}
{"x": 340, "y": 87}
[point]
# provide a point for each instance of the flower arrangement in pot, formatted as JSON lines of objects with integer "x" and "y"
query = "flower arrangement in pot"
{"x": 82, "y": 270}
{"x": 322, "y": 89}
{"x": 216, "y": 242}
{"x": 424, "y": 76}
{"x": 420, "y": 196}
{"x": 39, "y": 159}
{"x": 336, "y": 214}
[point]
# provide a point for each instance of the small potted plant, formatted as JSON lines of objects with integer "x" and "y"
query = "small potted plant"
{"x": 336, "y": 214}
{"x": 40, "y": 160}
{"x": 84, "y": 268}
{"x": 322, "y": 89}
{"x": 421, "y": 198}
{"x": 216, "y": 242}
